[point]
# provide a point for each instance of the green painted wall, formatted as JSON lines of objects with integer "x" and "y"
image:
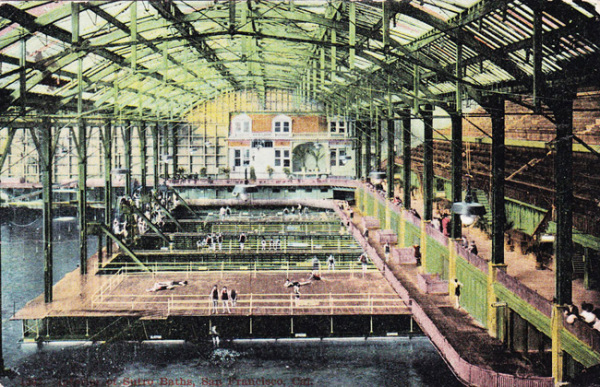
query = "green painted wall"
{"x": 412, "y": 235}
{"x": 474, "y": 295}
{"x": 437, "y": 258}
{"x": 525, "y": 217}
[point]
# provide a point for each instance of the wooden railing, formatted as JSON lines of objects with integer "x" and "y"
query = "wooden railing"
{"x": 257, "y": 304}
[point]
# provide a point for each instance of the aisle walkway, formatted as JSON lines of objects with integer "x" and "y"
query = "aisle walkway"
{"x": 523, "y": 267}
{"x": 462, "y": 332}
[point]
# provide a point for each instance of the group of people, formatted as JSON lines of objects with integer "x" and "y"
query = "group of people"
{"x": 471, "y": 247}
{"x": 271, "y": 244}
{"x": 442, "y": 223}
{"x": 588, "y": 314}
{"x": 211, "y": 241}
{"x": 228, "y": 299}
{"x": 295, "y": 210}
{"x": 152, "y": 211}
{"x": 224, "y": 212}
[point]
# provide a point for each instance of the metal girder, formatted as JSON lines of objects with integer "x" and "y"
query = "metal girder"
{"x": 123, "y": 27}
{"x": 122, "y": 245}
{"x": 7, "y": 144}
{"x": 461, "y": 36}
{"x": 170, "y": 12}
{"x": 30, "y": 23}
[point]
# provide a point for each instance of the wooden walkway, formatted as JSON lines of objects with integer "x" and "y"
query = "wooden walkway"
{"x": 260, "y": 294}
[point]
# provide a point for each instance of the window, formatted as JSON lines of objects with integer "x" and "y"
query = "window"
{"x": 337, "y": 126}
{"x": 241, "y": 125}
{"x": 342, "y": 160}
{"x": 282, "y": 157}
{"x": 333, "y": 157}
{"x": 282, "y": 124}
{"x": 241, "y": 157}
{"x": 262, "y": 144}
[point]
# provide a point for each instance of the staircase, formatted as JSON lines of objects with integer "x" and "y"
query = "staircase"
{"x": 481, "y": 197}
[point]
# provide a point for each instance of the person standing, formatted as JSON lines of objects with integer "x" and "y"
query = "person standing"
{"x": 220, "y": 241}
{"x": 364, "y": 260}
{"x": 225, "y": 299}
{"x": 316, "y": 265}
{"x": 473, "y": 248}
{"x": 233, "y": 296}
{"x": 263, "y": 243}
{"x": 457, "y": 289}
{"x": 331, "y": 262}
{"x": 214, "y": 296}
{"x": 213, "y": 242}
{"x": 417, "y": 252}
{"x": 446, "y": 220}
{"x": 215, "y": 335}
{"x": 242, "y": 241}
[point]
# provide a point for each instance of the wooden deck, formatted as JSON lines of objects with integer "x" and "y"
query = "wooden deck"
{"x": 260, "y": 294}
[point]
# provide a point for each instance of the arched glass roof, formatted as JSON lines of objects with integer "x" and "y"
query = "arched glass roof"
{"x": 161, "y": 58}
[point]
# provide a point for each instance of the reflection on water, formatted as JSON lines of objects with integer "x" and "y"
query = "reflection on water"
{"x": 331, "y": 362}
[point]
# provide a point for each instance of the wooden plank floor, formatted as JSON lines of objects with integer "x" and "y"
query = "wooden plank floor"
{"x": 260, "y": 293}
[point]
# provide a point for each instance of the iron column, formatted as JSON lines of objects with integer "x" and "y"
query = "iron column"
{"x": 127, "y": 146}
{"x": 406, "y": 156}
{"x": 457, "y": 170}
{"x": 107, "y": 143}
{"x": 143, "y": 153}
{"x": 391, "y": 163}
{"x": 427, "y": 114}
{"x": 82, "y": 195}
{"x": 563, "y": 172}
{"x": 367, "y": 134}
{"x": 155, "y": 155}
{"x": 46, "y": 154}
{"x": 496, "y": 110}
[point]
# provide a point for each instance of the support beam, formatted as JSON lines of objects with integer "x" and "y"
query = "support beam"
{"x": 563, "y": 175}
{"x": 406, "y": 157}
{"x": 141, "y": 214}
{"x": 366, "y": 126}
{"x": 107, "y": 144}
{"x": 127, "y": 148}
{"x": 173, "y": 128}
{"x": 391, "y": 164}
{"x": 7, "y": 145}
{"x": 538, "y": 55}
{"x": 82, "y": 194}
{"x": 143, "y": 152}
{"x": 182, "y": 200}
{"x": 5, "y": 150}
{"x": 176, "y": 18}
{"x": 46, "y": 153}
{"x": 168, "y": 213}
{"x": 457, "y": 170}
{"x": 23, "y": 76}
{"x": 378, "y": 140}
{"x": 134, "y": 37}
{"x": 122, "y": 246}
{"x": 497, "y": 113}
{"x": 358, "y": 150}
{"x": 352, "y": 34}
{"x": 427, "y": 115}
{"x": 155, "y": 155}
{"x": 166, "y": 131}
